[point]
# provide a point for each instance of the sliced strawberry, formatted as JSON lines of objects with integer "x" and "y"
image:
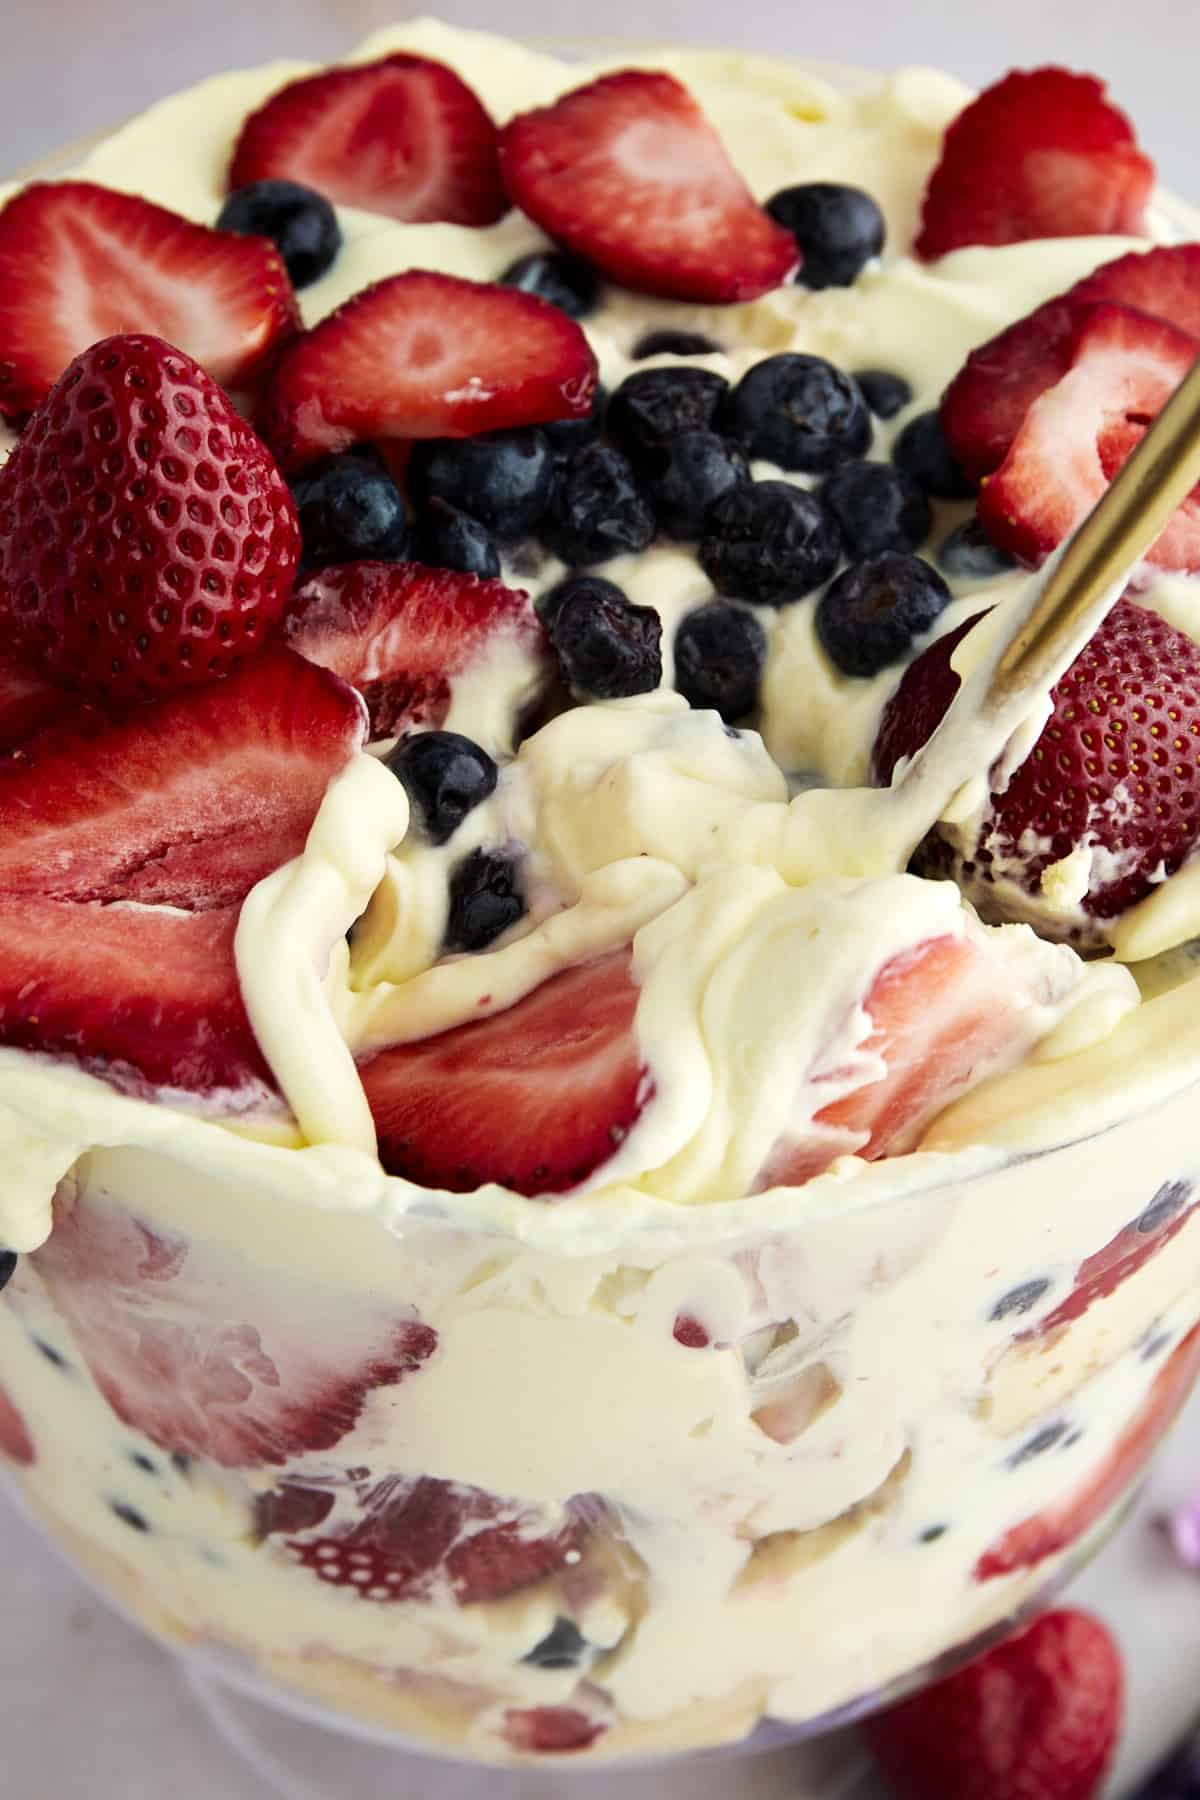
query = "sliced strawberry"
{"x": 1058, "y": 1526}
{"x": 15, "y": 1441}
{"x": 629, "y": 173}
{"x": 424, "y": 355}
{"x": 403, "y": 136}
{"x": 1124, "y": 367}
{"x": 27, "y": 702}
{"x": 185, "y": 803}
{"x": 535, "y": 1097}
{"x": 1040, "y": 154}
{"x": 1102, "y": 1273}
{"x": 546, "y": 1729}
{"x": 202, "y": 1353}
{"x": 80, "y": 262}
{"x": 147, "y": 540}
{"x": 403, "y": 634}
{"x": 985, "y": 405}
{"x": 1115, "y": 770}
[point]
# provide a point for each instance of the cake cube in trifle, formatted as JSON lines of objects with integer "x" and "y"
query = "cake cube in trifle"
{"x": 550, "y": 1208}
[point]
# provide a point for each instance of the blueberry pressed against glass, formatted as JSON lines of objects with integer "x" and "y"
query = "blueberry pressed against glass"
{"x": 141, "y": 1461}
{"x": 695, "y": 469}
{"x": 674, "y": 343}
{"x": 563, "y": 1647}
{"x": 129, "y": 1515}
{"x": 869, "y": 616}
{"x": 502, "y": 478}
{"x": 720, "y": 653}
{"x": 921, "y": 451}
{"x": 798, "y": 411}
{"x": 968, "y": 554}
{"x": 653, "y": 406}
{"x": 1167, "y": 1203}
{"x": 1021, "y": 1299}
{"x": 485, "y": 900}
{"x": 838, "y": 229}
{"x": 885, "y": 393}
{"x": 770, "y": 542}
{"x": 597, "y": 509}
{"x": 54, "y": 1357}
{"x": 877, "y": 508}
{"x": 607, "y": 647}
{"x": 1043, "y": 1439}
{"x": 565, "y": 281}
{"x": 932, "y": 1533}
{"x": 351, "y": 510}
{"x": 300, "y": 223}
{"x": 568, "y": 435}
{"x": 445, "y": 776}
{"x": 8, "y": 1264}
{"x": 446, "y": 538}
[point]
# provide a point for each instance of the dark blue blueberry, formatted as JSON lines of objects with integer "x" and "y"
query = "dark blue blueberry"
{"x": 1042, "y": 1440}
{"x": 445, "y": 776}
{"x": 448, "y": 539}
{"x": 653, "y": 406}
{"x": 968, "y": 554}
{"x": 8, "y": 1265}
{"x": 565, "y": 281}
{"x": 54, "y": 1357}
{"x": 877, "y": 508}
{"x": 886, "y": 394}
{"x": 770, "y": 542}
{"x": 869, "y": 616}
{"x": 674, "y": 343}
{"x": 568, "y": 435}
{"x": 299, "y": 222}
{"x": 597, "y": 509}
{"x": 1021, "y": 1299}
{"x": 129, "y": 1515}
{"x": 502, "y": 478}
{"x": 606, "y": 646}
{"x": 838, "y": 228}
{"x": 1154, "y": 1345}
{"x": 921, "y": 451}
{"x": 1178, "y": 1777}
{"x": 181, "y": 1462}
{"x": 564, "y": 1647}
{"x": 485, "y": 900}
{"x": 932, "y": 1533}
{"x": 141, "y": 1461}
{"x": 694, "y": 469}
{"x": 720, "y": 653}
{"x": 798, "y": 411}
{"x": 350, "y": 510}
{"x": 1167, "y": 1203}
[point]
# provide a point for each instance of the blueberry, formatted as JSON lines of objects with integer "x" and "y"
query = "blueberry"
{"x": 485, "y": 900}
{"x": 141, "y": 1461}
{"x": 181, "y": 1462}
{"x": 1043, "y": 1439}
{"x": 674, "y": 343}
{"x": 606, "y": 646}
{"x": 838, "y": 228}
{"x": 299, "y": 222}
{"x": 921, "y": 451}
{"x": 869, "y": 616}
{"x": 968, "y": 554}
{"x": 877, "y": 508}
{"x": 565, "y": 281}
{"x": 564, "y": 1647}
{"x": 886, "y": 394}
{"x": 445, "y": 776}
{"x": 1167, "y": 1204}
{"x": 798, "y": 411}
{"x": 932, "y": 1533}
{"x": 350, "y": 510}
{"x": 1178, "y": 1778}
{"x": 568, "y": 435}
{"x": 129, "y": 1515}
{"x": 653, "y": 406}
{"x": 695, "y": 469}
{"x": 597, "y": 510}
{"x": 54, "y": 1357}
{"x": 720, "y": 653}
{"x": 502, "y": 478}
{"x": 770, "y": 542}
{"x": 8, "y": 1264}
{"x": 448, "y": 539}
{"x": 1020, "y": 1299}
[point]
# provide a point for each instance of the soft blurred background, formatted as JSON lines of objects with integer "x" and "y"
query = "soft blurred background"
{"x": 70, "y": 67}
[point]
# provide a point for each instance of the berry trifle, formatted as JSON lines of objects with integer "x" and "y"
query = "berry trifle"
{"x": 590, "y": 1160}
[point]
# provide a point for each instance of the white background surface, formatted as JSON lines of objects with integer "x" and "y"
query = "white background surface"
{"x": 87, "y": 1710}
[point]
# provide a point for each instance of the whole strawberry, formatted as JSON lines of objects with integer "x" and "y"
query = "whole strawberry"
{"x": 1037, "y": 1718}
{"x": 147, "y": 540}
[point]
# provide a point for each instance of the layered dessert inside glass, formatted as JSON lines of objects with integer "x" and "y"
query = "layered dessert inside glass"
{"x": 590, "y": 1160}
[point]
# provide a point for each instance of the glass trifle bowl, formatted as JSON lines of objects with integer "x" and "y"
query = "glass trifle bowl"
{"x": 680, "y": 1460}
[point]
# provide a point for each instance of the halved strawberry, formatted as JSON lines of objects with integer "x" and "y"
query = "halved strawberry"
{"x": 15, "y": 1441}
{"x": 147, "y": 539}
{"x": 424, "y": 355}
{"x": 202, "y": 1353}
{"x": 403, "y": 634}
{"x": 536, "y": 1097}
{"x": 27, "y": 702}
{"x": 550, "y": 1729}
{"x": 1115, "y": 771}
{"x": 407, "y": 1539}
{"x": 1058, "y": 1526}
{"x": 1123, "y": 368}
{"x": 403, "y": 136}
{"x": 1040, "y": 154}
{"x": 629, "y": 173}
{"x": 985, "y": 405}
{"x": 80, "y": 262}
{"x": 1103, "y": 1272}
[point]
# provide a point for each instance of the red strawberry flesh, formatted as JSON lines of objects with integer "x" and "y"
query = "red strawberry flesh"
{"x": 628, "y": 173}
{"x": 550, "y": 1729}
{"x": 1102, "y": 1273}
{"x": 403, "y": 136}
{"x": 28, "y": 701}
{"x": 15, "y": 1441}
